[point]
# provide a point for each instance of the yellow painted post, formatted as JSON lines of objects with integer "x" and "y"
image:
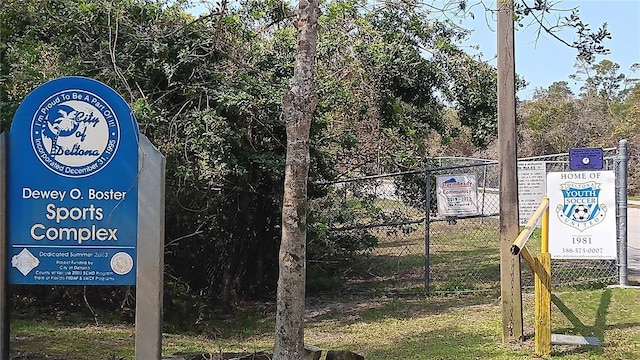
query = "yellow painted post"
{"x": 543, "y": 293}
{"x": 544, "y": 245}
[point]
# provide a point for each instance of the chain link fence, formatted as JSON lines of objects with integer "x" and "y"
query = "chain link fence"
{"x": 387, "y": 212}
{"x": 464, "y": 252}
{"x": 417, "y": 250}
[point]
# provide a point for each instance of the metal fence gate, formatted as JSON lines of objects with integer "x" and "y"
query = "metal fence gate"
{"x": 417, "y": 251}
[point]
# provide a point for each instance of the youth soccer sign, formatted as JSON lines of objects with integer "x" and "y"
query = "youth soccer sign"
{"x": 72, "y": 186}
{"x": 582, "y": 218}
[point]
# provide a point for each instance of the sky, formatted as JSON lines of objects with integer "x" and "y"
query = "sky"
{"x": 543, "y": 60}
{"x": 546, "y": 60}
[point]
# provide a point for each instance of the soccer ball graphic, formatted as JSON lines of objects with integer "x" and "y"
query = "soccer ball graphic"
{"x": 581, "y": 213}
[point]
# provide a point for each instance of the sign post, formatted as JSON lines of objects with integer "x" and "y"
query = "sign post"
{"x": 74, "y": 210}
{"x": 148, "y": 340}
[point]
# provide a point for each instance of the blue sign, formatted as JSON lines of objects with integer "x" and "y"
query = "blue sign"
{"x": 586, "y": 159}
{"x": 72, "y": 188}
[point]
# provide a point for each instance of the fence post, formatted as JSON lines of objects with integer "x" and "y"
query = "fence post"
{"x": 621, "y": 203}
{"x": 427, "y": 213}
{"x": 542, "y": 289}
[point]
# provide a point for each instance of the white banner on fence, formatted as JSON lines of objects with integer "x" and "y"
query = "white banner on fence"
{"x": 457, "y": 195}
{"x": 582, "y": 215}
{"x": 532, "y": 186}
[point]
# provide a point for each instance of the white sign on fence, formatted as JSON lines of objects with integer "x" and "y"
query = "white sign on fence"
{"x": 457, "y": 195}
{"x": 582, "y": 215}
{"x": 532, "y": 186}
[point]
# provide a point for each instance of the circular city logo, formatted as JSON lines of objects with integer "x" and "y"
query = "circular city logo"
{"x": 121, "y": 263}
{"x": 75, "y": 133}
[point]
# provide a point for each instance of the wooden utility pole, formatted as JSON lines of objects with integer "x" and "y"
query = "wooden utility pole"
{"x": 510, "y": 288}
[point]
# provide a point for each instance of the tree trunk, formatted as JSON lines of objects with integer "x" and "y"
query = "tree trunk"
{"x": 298, "y": 105}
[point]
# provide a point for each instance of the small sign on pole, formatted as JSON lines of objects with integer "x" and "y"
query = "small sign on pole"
{"x": 586, "y": 159}
{"x": 582, "y": 215}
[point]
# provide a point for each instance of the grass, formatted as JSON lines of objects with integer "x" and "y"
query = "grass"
{"x": 71, "y": 341}
{"x": 467, "y": 327}
{"x": 463, "y": 257}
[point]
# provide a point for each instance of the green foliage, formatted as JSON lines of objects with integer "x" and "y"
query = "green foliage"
{"x": 475, "y": 90}
{"x": 629, "y": 128}
{"x": 182, "y": 307}
{"x": 387, "y": 77}
{"x": 341, "y": 208}
{"x": 602, "y": 80}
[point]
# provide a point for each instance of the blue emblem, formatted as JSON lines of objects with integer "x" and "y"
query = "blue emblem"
{"x": 581, "y": 208}
{"x": 74, "y": 133}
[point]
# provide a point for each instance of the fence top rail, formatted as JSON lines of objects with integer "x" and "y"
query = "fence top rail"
{"x": 370, "y": 177}
{"x": 550, "y": 156}
{"x": 410, "y": 172}
{"x": 459, "y": 158}
{"x": 525, "y": 234}
{"x": 478, "y": 162}
{"x": 452, "y": 167}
